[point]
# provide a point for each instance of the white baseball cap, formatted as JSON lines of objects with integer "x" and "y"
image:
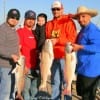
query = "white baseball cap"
{"x": 56, "y": 4}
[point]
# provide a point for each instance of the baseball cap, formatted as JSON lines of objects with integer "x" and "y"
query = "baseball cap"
{"x": 14, "y": 13}
{"x": 57, "y": 4}
{"x": 30, "y": 14}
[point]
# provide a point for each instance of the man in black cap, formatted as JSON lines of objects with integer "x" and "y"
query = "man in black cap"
{"x": 9, "y": 54}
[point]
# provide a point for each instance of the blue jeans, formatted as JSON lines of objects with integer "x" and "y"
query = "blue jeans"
{"x": 30, "y": 89}
{"x": 57, "y": 79}
{"x": 7, "y": 84}
{"x": 0, "y": 75}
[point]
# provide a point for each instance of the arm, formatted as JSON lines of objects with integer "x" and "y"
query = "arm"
{"x": 91, "y": 42}
{"x": 21, "y": 38}
{"x": 5, "y": 51}
{"x": 42, "y": 36}
{"x": 93, "y": 46}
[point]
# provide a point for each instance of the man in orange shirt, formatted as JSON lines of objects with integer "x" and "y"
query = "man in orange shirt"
{"x": 60, "y": 30}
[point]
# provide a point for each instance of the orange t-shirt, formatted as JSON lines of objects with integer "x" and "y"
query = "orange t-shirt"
{"x": 64, "y": 30}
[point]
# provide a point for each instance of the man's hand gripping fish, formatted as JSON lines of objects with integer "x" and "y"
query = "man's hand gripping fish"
{"x": 19, "y": 76}
{"x": 69, "y": 69}
{"x": 46, "y": 60}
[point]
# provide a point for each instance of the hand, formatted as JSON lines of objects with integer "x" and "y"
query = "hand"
{"x": 67, "y": 90}
{"x": 14, "y": 57}
{"x": 26, "y": 71}
{"x": 77, "y": 47}
{"x": 54, "y": 41}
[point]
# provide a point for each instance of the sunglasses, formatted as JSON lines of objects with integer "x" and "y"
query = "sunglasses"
{"x": 17, "y": 18}
{"x": 56, "y": 9}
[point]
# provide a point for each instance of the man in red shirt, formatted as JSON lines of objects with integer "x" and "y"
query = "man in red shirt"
{"x": 61, "y": 30}
{"x": 28, "y": 49}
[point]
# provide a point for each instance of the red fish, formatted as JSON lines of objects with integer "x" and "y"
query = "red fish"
{"x": 69, "y": 69}
{"x": 19, "y": 76}
{"x": 46, "y": 59}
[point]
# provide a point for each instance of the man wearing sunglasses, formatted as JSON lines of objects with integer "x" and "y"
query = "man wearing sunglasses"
{"x": 61, "y": 30}
{"x": 9, "y": 54}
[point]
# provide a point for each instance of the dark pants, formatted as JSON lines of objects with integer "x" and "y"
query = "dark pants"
{"x": 85, "y": 87}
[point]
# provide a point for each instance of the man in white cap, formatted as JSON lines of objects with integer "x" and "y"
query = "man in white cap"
{"x": 61, "y": 30}
{"x": 88, "y": 55}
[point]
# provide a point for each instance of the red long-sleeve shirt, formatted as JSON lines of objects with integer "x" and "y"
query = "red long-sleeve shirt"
{"x": 64, "y": 30}
{"x": 28, "y": 46}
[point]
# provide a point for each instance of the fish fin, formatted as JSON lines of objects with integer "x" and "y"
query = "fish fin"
{"x": 15, "y": 70}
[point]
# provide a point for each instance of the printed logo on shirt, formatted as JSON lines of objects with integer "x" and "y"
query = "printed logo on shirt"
{"x": 55, "y": 33}
{"x": 30, "y": 37}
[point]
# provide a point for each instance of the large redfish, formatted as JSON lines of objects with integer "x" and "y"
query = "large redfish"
{"x": 19, "y": 76}
{"x": 46, "y": 60}
{"x": 69, "y": 69}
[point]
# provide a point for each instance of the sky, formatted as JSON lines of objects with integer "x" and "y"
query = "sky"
{"x": 70, "y": 6}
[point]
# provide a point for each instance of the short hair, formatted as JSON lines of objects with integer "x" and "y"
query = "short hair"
{"x": 42, "y": 15}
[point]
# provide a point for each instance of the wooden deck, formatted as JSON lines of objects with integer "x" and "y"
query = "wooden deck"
{"x": 74, "y": 94}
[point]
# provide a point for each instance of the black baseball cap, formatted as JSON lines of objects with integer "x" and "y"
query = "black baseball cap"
{"x": 30, "y": 14}
{"x": 13, "y": 13}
